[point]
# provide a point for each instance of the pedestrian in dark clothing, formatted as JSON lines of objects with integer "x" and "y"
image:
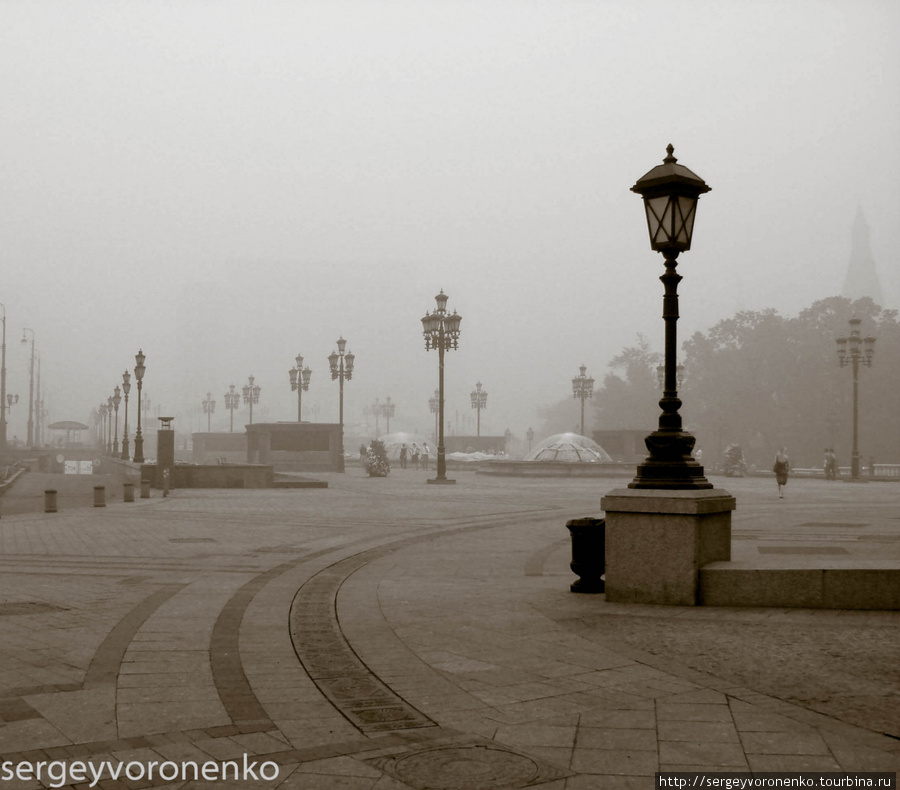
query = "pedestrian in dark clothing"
{"x": 781, "y": 468}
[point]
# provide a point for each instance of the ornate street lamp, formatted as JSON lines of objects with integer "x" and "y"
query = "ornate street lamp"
{"x": 251, "y": 395}
{"x": 299, "y": 383}
{"x": 139, "y": 370}
{"x": 209, "y": 408}
{"x": 387, "y": 411}
{"x": 30, "y": 388}
{"x": 126, "y": 388}
{"x": 109, "y": 420}
{"x": 479, "y": 402}
{"x": 232, "y": 401}
{"x": 441, "y": 331}
{"x": 10, "y": 401}
{"x": 116, "y": 400}
{"x": 341, "y": 365}
{"x": 101, "y": 424}
{"x": 376, "y": 410}
{"x": 852, "y": 351}
{"x": 434, "y": 406}
{"x": 670, "y": 192}
{"x": 582, "y": 388}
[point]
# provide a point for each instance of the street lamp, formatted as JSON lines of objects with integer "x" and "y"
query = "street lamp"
{"x": 341, "y": 365}
{"x": 101, "y": 424}
{"x": 479, "y": 402}
{"x": 30, "y": 388}
{"x": 232, "y": 401}
{"x": 3, "y": 384}
{"x": 126, "y": 388}
{"x": 109, "y": 423}
{"x": 139, "y": 370}
{"x": 299, "y": 382}
{"x": 434, "y": 406}
{"x": 387, "y": 411}
{"x": 209, "y": 407}
{"x": 441, "y": 331}
{"x": 670, "y": 192}
{"x": 117, "y": 399}
{"x": 853, "y": 356}
{"x": 10, "y": 401}
{"x": 251, "y": 395}
{"x": 582, "y": 388}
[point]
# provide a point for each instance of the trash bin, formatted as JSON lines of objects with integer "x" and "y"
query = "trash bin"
{"x": 129, "y": 492}
{"x": 99, "y": 496}
{"x": 588, "y": 554}
{"x": 145, "y": 489}
{"x": 50, "y": 501}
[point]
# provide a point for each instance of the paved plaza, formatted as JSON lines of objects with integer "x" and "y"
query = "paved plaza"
{"x": 384, "y": 634}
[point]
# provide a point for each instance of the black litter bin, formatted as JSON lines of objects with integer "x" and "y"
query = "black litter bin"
{"x": 588, "y": 554}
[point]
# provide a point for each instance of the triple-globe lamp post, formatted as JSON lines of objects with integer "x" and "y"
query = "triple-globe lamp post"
{"x": 855, "y": 350}
{"x": 478, "y": 396}
{"x": 670, "y": 192}
{"x": 441, "y": 331}
{"x": 139, "y": 370}
{"x": 300, "y": 377}
{"x": 582, "y": 388}
{"x": 251, "y": 394}
{"x": 209, "y": 408}
{"x": 232, "y": 401}
{"x": 341, "y": 364}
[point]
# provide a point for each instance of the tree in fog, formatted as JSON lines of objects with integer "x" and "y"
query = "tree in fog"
{"x": 629, "y": 397}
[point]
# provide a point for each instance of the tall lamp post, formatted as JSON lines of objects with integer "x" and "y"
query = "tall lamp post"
{"x": 341, "y": 365}
{"x": 251, "y": 395}
{"x": 853, "y": 351}
{"x": 670, "y": 192}
{"x": 300, "y": 377}
{"x": 209, "y": 408}
{"x": 126, "y": 388}
{"x": 387, "y": 411}
{"x": 479, "y": 402}
{"x": 582, "y": 388}
{"x": 434, "y": 406}
{"x": 30, "y": 388}
{"x": 101, "y": 422}
{"x": 441, "y": 331}
{"x": 109, "y": 424}
{"x": 376, "y": 410}
{"x": 232, "y": 401}
{"x": 3, "y": 444}
{"x": 139, "y": 370}
{"x": 116, "y": 400}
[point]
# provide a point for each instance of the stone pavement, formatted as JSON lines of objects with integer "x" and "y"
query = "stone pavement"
{"x": 384, "y": 634}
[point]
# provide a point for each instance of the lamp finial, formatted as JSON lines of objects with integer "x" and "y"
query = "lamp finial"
{"x": 670, "y": 149}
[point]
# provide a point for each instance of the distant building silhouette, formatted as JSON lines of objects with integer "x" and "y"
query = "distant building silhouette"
{"x": 862, "y": 276}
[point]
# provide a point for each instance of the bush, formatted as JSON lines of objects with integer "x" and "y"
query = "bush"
{"x": 377, "y": 463}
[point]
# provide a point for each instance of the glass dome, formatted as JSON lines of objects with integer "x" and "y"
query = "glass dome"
{"x": 569, "y": 448}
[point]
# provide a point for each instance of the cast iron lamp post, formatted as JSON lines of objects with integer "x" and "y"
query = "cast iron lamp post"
{"x": 126, "y": 388}
{"x": 101, "y": 422}
{"x": 375, "y": 408}
{"x": 30, "y": 388}
{"x": 299, "y": 383}
{"x": 251, "y": 395}
{"x": 139, "y": 370}
{"x": 387, "y": 411}
{"x": 209, "y": 408}
{"x": 341, "y": 365}
{"x": 434, "y": 406}
{"x": 117, "y": 399}
{"x": 582, "y": 388}
{"x": 478, "y": 397}
{"x": 109, "y": 424}
{"x": 10, "y": 401}
{"x": 670, "y": 192}
{"x": 232, "y": 401}
{"x": 856, "y": 356}
{"x": 441, "y": 331}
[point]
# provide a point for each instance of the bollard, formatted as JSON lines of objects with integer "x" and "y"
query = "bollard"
{"x": 588, "y": 554}
{"x": 50, "y": 501}
{"x": 129, "y": 492}
{"x": 99, "y": 496}
{"x": 145, "y": 489}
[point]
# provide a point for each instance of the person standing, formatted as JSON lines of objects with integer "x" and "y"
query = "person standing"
{"x": 781, "y": 469}
{"x": 403, "y": 454}
{"x": 415, "y": 455}
{"x": 425, "y": 456}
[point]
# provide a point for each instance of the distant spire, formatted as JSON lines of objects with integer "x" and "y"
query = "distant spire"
{"x": 862, "y": 276}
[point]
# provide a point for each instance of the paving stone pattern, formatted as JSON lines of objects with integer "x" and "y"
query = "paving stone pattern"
{"x": 383, "y": 634}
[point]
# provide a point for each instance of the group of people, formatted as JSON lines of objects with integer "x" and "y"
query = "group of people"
{"x": 418, "y": 454}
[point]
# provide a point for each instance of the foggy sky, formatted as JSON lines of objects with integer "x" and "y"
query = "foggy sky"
{"x": 229, "y": 184}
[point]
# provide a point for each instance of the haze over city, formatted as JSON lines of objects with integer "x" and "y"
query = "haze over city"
{"x": 226, "y": 185}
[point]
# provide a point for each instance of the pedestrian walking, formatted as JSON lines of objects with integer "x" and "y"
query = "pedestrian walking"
{"x": 403, "y": 456}
{"x": 415, "y": 455}
{"x": 781, "y": 468}
{"x": 830, "y": 464}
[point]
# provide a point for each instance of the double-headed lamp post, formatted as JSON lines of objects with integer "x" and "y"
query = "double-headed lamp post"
{"x": 209, "y": 408}
{"x": 300, "y": 377}
{"x": 582, "y": 388}
{"x": 139, "y": 370}
{"x": 251, "y": 394}
{"x": 441, "y": 331}
{"x": 126, "y": 388}
{"x": 232, "y": 401}
{"x": 670, "y": 192}
{"x": 341, "y": 365}
{"x": 478, "y": 397}
{"x": 387, "y": 411}
{"x": 851, "y": 353}
{"x": 117, "y": 399}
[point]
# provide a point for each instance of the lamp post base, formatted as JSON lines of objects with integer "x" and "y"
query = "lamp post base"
{"x": 441, "y": 481}
{"x": 670, "y": 464}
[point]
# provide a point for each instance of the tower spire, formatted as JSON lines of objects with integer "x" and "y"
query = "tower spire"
{"x": 862, "y": 275}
